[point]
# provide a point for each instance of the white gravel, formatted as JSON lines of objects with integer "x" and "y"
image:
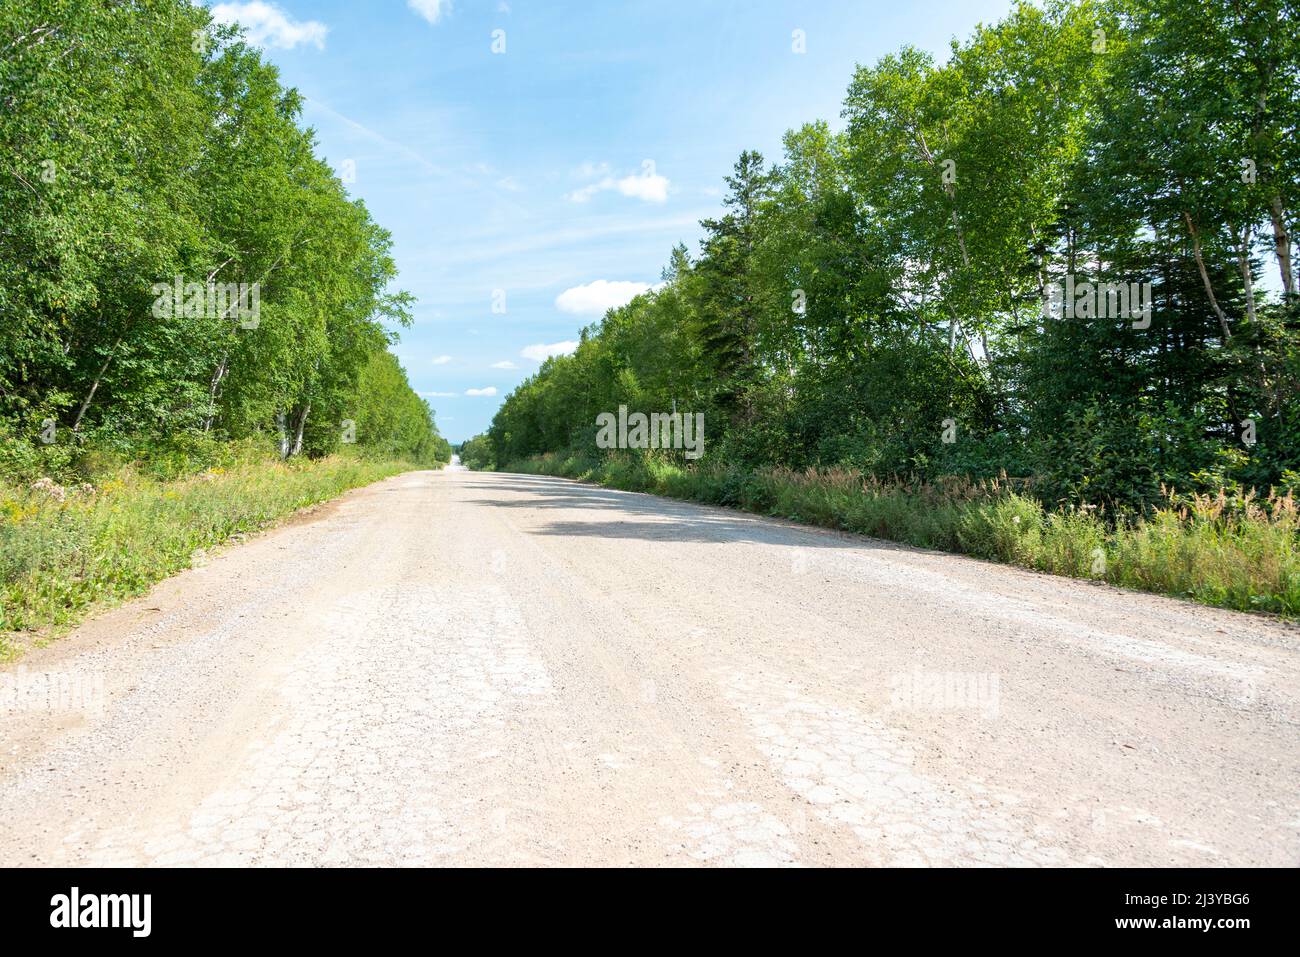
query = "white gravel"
{"x": 467, "y": 668}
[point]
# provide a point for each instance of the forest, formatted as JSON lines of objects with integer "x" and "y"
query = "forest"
{"x": 882, "y": 288}
{"x": 196, "y": 314}
{"x": 885, "y": 303}
{"x": 144, "y": 147}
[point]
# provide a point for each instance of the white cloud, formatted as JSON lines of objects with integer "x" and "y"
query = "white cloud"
{"x": 431, "y": 10}
{"x": 269, "y": 26}
{"x": 542, "y": 351}
{"x": 647, "y": 185}
{"x": 490, "y": 390}
{"x": 437, "y": 395}
{"x": 504, "y": 364}
{"x": 596, "y": 298}
{"x": 650, "y": 187}
{"x": 441, "y": 360}
{"x": 509, "y": 183}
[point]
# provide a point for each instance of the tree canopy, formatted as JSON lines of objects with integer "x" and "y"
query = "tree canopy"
{"x": 877, "y": 297}
{"x": 144, "y": 147}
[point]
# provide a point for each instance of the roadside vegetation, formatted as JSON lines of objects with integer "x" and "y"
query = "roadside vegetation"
{"x": 1230, "y": 551}
{"x": 476, "y": 453}
{"x": 197, "y": 316}
{"x": 900, "y": 327}
{"x": 69, "y": 549}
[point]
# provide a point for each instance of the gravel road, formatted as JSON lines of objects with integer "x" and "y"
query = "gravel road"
{"x": 465, "y": 668}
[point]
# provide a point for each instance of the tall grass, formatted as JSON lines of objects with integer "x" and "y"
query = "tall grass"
{"x": 1233, "y": 551}
{"x": 65, "y": 549}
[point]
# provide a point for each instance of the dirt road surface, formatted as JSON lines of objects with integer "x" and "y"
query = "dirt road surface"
{"x": 464, "y": 668}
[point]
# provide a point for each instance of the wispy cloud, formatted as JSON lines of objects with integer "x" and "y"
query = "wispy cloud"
{"x": 488, "y": 391}
{"x": 648, "y": 185}
{"x": 597, "y": 298}
{"x": 438, "y": 395}
{"x": 543, "y": 351}
{"x": 493, "y": 245}
{"x": 269, "y": 26}
{"x": 431, "y": 10}
{"x": 504, "y": 364}
{"x": 441, "y": 360}
{"x": 379, "y": 138}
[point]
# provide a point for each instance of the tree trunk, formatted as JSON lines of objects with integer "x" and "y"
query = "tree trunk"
{"x": 217, "y": 378}
{"x": 1042, "y": 264}
{"x": 951, "y": 192}
{"x": 302, "y": 424}
{"x": 94, "y": 386}
{"x": 1247, "y": 280}
{"x": 961, "y": 237}
{"x": 281, "y": 424}
{"x": 1282, "y": 245}
{"x": 1248, "y": 283}
{"x": 1205, "y": 276}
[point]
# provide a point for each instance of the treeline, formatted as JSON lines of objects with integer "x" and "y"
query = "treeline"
{"x": 890, "y": 297}
{"x": 176, "y": 261}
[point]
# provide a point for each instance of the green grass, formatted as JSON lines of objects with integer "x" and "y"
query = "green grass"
{"x": 1230, "y": 551}
{"x": 67, "y": 550}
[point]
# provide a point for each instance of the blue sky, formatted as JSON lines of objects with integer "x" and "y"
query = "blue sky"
{"x": 528, "y": 189}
